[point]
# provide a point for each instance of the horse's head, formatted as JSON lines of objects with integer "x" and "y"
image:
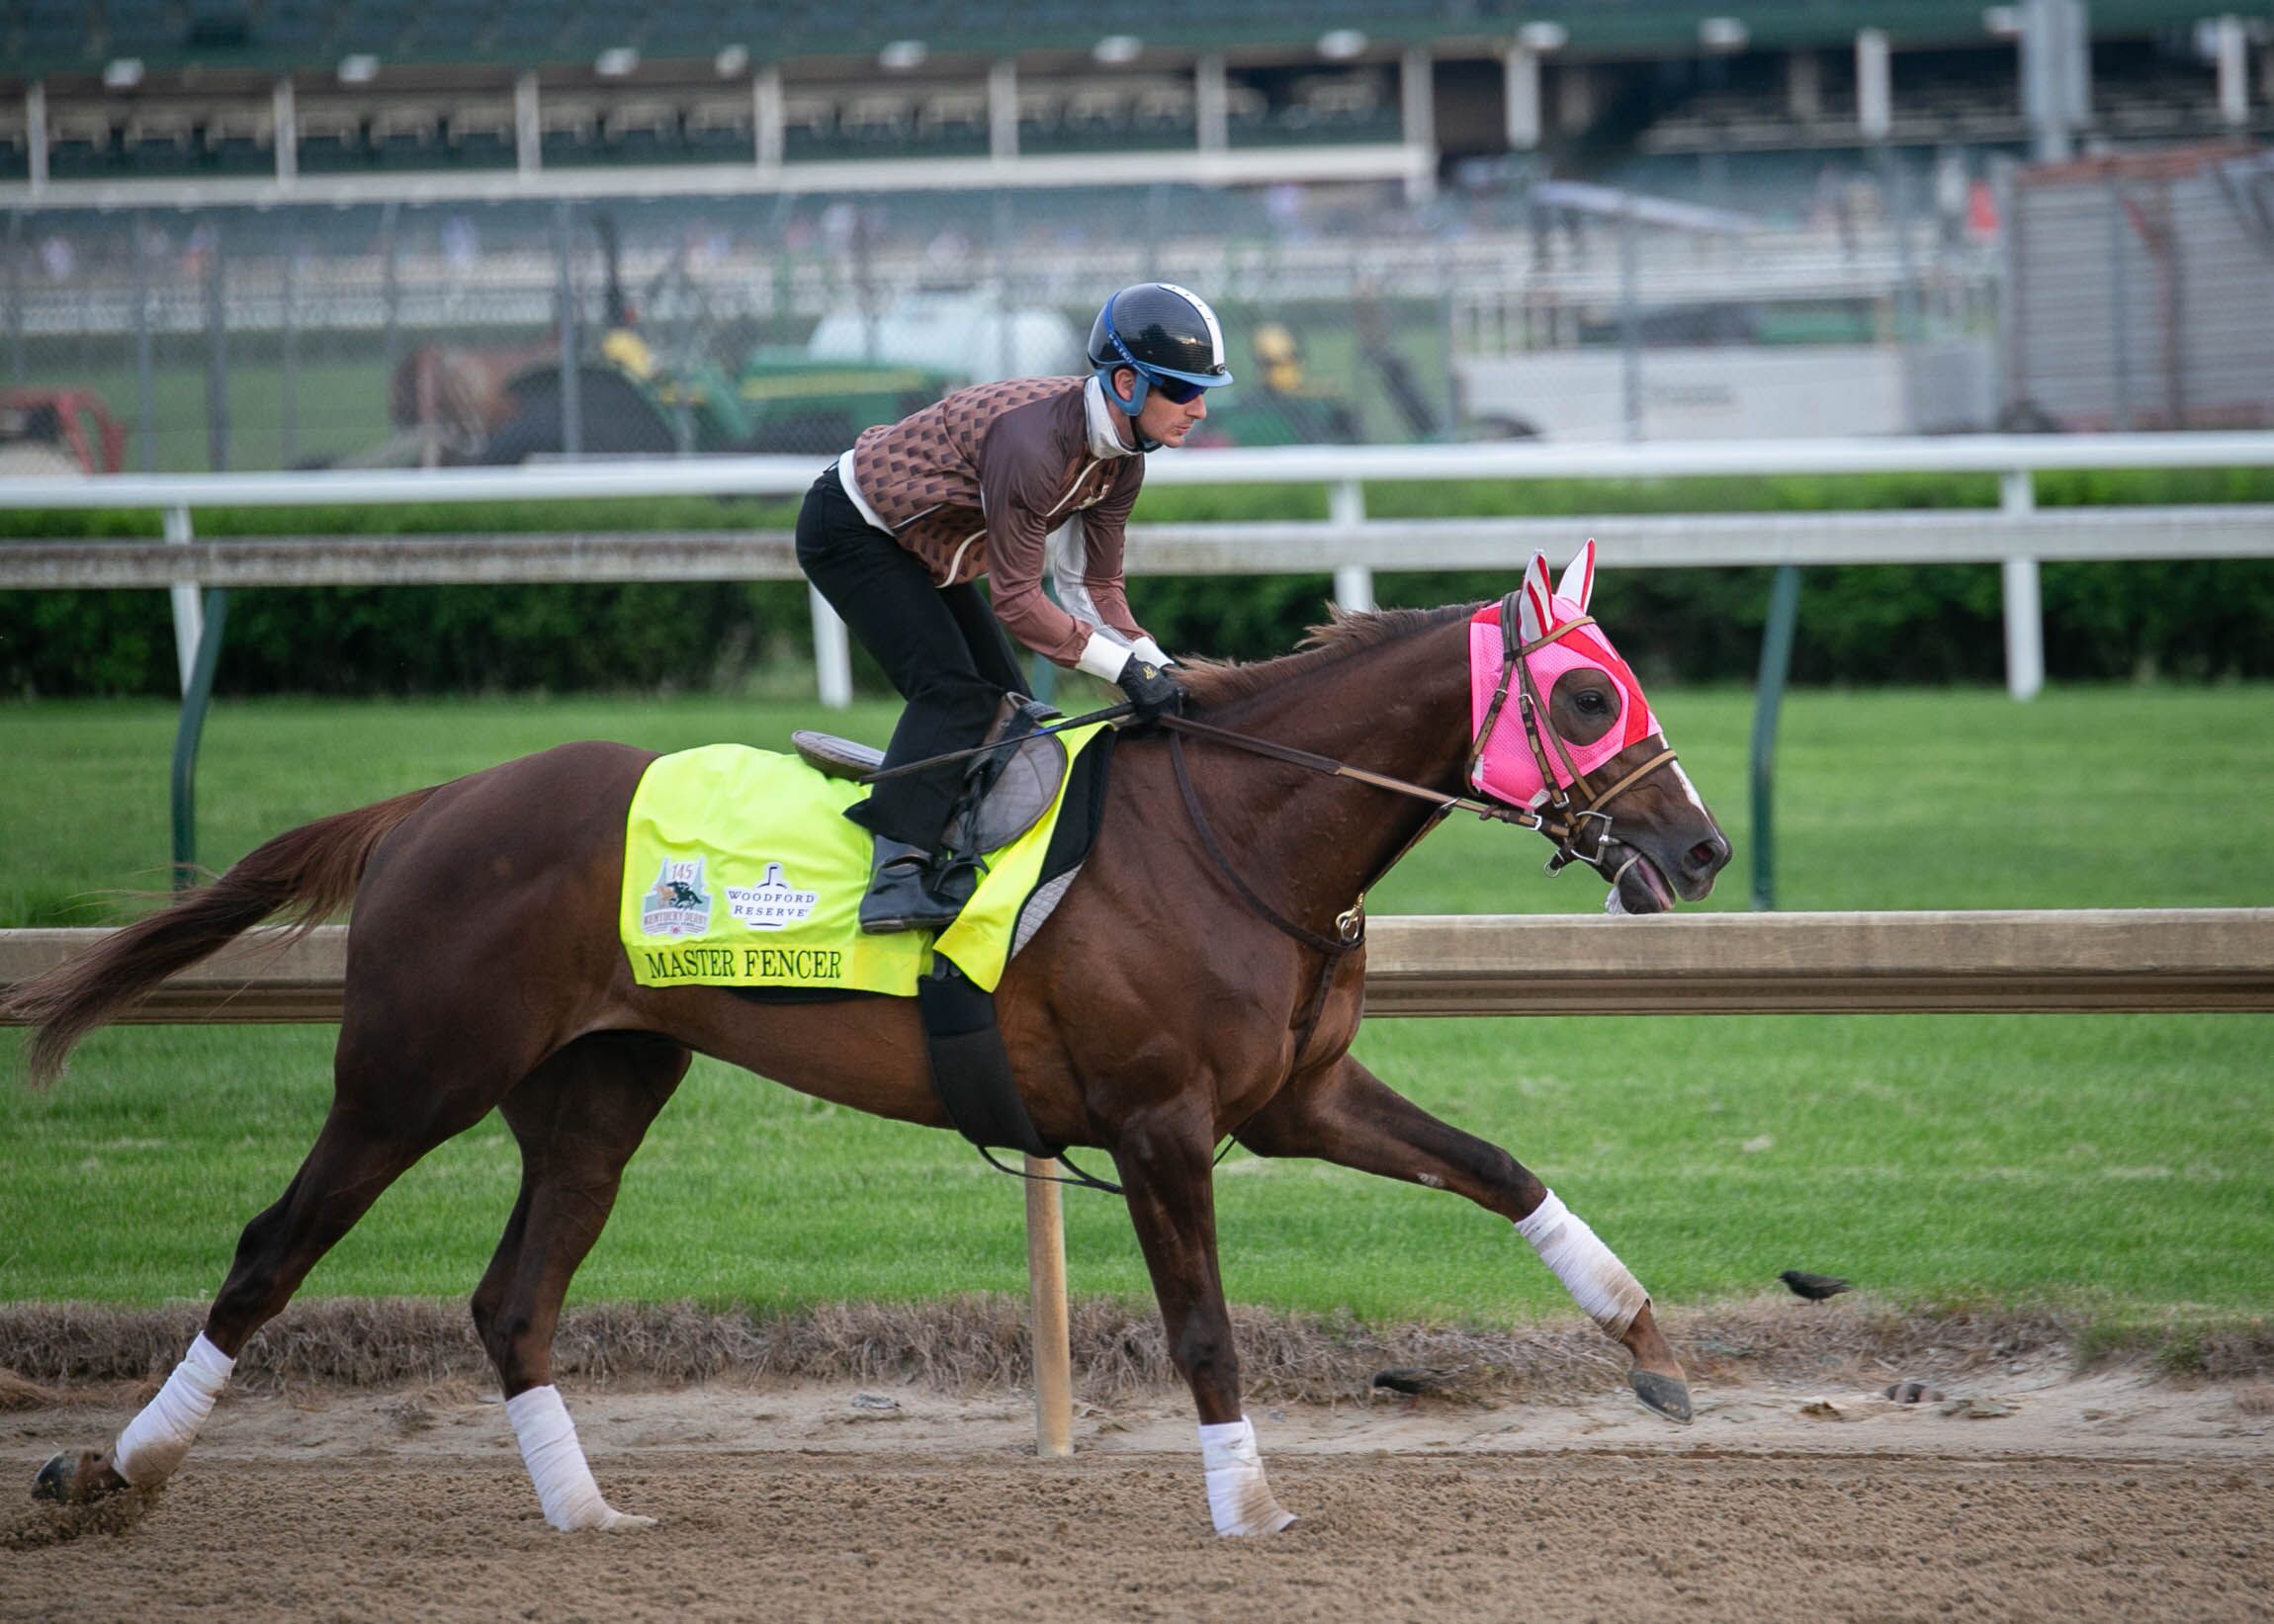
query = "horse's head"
{"x": 1562, "y": 727}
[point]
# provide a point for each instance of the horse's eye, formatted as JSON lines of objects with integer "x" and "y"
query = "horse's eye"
{"x": 1591, "y": 700}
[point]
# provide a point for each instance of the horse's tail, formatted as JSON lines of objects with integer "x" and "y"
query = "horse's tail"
{"x": 306, "y": 874}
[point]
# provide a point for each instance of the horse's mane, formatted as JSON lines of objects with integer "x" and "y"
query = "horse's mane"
{"x": 1214, "y": 682}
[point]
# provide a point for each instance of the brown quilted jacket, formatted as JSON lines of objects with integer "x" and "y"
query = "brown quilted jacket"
{"x": 975, "y": 484}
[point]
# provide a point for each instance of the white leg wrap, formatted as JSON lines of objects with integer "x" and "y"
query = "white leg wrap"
{"x": 1238, "y": 1496}
{"x": 1589, "y": 1269}
{"x": 556, "y": 1466}
{"x": 156, "y": 1442}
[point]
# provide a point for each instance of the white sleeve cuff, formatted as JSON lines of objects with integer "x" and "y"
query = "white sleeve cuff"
{"x": 1147, "y": 649}
{"x": 1104, "y": 655}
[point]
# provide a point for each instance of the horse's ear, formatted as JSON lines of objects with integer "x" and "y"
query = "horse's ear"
{"x": 1578, "y": 583}
{"x": 1536, "y": 601}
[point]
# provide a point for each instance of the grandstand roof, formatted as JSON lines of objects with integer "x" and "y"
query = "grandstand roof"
{"x": 39, "y": 37}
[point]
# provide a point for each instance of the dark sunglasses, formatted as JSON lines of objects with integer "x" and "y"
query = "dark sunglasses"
{"x": 1181, "y": 390}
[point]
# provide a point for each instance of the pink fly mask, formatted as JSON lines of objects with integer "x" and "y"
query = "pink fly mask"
{"x": 1519, "y": 757}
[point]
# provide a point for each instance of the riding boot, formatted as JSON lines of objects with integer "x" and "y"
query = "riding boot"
{"x": 904, "y": 894}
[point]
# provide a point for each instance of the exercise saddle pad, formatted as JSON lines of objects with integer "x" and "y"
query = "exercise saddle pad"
{"x": 741, "y": 870}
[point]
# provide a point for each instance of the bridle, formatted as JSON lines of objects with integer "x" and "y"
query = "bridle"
{"x": 1572, "y": 811}
{"x": 1570, "y": 816}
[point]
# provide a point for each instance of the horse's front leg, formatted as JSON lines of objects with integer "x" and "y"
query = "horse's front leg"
{"x": 1165, "y": 1170}
{"x": 1343, "y": 1113}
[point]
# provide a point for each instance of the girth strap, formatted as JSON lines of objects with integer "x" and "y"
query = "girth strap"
{"x": 971, "y": 1073}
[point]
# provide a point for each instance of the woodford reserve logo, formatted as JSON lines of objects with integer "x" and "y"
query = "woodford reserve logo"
{"x": 774, "y": 904}
{"x": 677, "y": 904}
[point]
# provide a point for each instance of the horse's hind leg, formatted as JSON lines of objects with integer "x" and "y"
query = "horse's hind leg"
{"x": 578, "y": 1117}
{"x": 1343, "y": 1113}
{"x": 1165, "y": 1175}
{"x": 377, "y": 1127}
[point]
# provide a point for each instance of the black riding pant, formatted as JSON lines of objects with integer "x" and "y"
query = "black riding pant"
{"x": 942, "y": 646}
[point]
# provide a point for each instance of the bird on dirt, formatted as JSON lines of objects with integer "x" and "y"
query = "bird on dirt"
{"x": 1815, "y": 1287}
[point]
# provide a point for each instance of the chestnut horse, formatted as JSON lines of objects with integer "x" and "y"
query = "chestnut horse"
{"x": 1178, "y": 994}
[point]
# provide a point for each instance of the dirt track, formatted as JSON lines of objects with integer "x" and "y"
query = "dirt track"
{"x": 2102, "y": 1498}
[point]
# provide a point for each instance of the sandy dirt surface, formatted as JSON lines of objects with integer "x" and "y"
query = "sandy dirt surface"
{"x": 2022, "y": 1495}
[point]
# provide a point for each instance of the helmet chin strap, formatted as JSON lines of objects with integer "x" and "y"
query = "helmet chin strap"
{"x": 1132, "y": 403}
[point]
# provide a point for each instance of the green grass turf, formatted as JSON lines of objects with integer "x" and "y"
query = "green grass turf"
{"x": 2114, "y": 1168}
{"x": 1948, "y": 798}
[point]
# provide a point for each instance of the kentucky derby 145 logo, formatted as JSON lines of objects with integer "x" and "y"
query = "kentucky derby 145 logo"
{"x": 774, "y": 904}
{"x": 676, "y": 904}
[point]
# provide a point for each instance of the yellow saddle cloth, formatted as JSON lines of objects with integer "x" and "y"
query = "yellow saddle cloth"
{"x": 741, "y": 870}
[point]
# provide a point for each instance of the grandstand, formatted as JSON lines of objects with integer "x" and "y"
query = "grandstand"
{"x": 242, "y": 218}
{"x": 110, "y": 103}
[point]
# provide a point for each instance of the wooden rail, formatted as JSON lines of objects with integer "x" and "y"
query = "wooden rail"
{"x": 2160, "y": 960}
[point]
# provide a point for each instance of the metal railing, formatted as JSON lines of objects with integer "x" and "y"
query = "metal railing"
{"x": 2015, "y": 535}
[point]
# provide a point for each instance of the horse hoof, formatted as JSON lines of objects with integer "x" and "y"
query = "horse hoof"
{"x": 75, "y": 1480}
{"x": 1665, "y": 1395}
{"x": 55, "y": 1479}
{"x": 58, "y": 1479}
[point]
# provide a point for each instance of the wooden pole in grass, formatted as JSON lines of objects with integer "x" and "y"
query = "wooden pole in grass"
{"x": 1046, "y": 1294}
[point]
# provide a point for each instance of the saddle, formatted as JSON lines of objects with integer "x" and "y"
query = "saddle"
{"x": 1005, "y": 791}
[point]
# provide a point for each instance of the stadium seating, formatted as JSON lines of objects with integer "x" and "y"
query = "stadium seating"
{"x": 330, "y": 137}
{"x": 80, "y": 144}
{"x": 479, "y": 135}
{"x": 721, "y": 129}
{"x": 568, "y": 131}
{"x": 240, "y": 140}
{"x": 1704, "y": 110}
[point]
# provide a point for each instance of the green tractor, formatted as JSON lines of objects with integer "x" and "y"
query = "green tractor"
{"x": 780, "y": 401}
{"x": 632, "y": 399}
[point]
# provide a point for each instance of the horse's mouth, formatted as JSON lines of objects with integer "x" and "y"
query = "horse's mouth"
{"x": 1640, "y": 887}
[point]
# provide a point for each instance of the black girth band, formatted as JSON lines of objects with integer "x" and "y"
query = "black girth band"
{"x": 971, "y": 1073}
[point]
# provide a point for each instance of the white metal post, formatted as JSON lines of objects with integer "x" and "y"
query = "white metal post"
{"x": 832, "y": 653}
{"x": 1003, "y": 108}
{"x": 284, "y": 130}
{"x": 2024, "y": 618}
{"x": 188, "y": 607}
{"x": 35, "y": 134}
{"x": 1520, "y": 74}
{"x": 1354, "y": 582}
{"x": 1417, "y": 116}
{"x": 1874, "y": 85}
{"x": 2233, "y": 55}
{"x": 1211, "y": 112}
{"x": 528, "y": 132}
{"x": 766, "y": 116}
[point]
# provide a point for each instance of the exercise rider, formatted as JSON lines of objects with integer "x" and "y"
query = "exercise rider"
{"x": 896, "y": 532}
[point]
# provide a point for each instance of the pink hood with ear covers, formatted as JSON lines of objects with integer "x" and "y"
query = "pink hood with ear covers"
{"x": 1506, "y": 768}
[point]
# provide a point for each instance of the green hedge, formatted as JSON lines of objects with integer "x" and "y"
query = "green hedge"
{"x": 2196, "y": 621}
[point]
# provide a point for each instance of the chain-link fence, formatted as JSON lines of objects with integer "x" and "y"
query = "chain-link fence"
{"x": 432, "y": 333}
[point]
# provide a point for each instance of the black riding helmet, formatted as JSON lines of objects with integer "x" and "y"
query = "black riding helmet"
{"x": 1167, "y": 335}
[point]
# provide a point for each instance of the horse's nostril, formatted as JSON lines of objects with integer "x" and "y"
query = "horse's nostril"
{"x": 1704, "y": 855}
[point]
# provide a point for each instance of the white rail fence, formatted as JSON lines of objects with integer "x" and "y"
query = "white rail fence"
{"x": 2015, "y": 535}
